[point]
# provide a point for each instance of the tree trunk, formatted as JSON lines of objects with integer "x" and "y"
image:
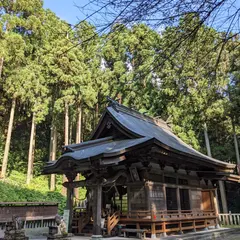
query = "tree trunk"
{"x": 66, "y": 128}
{"x": 78, "y": 140}
{"x": 96, "y": 114}
{"x": 220, "y": 183}
{"x": 51, "y": 142}
{"x": 207, "y": 140}
{"x": 31, "y": 150}
{"x": 236, "y": 144}
{"x": 70, "y": 132}
{"x": 8, "y": 140}
{"x": 119, "y": 96}
{"x": 79, "y": 124}
{"x": 66, "y": 138}
{"x": 1, "y": 65}
{"x": 52, "y": 153}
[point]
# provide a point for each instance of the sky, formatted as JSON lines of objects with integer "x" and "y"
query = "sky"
{"x": 66, "y": 10}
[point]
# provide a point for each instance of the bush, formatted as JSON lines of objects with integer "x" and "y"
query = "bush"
{"x": 14, "y": 189}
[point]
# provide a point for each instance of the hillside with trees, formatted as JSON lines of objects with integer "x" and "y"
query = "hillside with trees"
{"x": 55, "y": 79}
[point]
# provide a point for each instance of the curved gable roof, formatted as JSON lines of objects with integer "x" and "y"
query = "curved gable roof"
{"x": 143, "y": 126}
{"x": 139, "y": 130}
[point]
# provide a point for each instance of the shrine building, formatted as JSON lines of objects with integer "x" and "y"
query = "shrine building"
{"x": 139, "y": 175}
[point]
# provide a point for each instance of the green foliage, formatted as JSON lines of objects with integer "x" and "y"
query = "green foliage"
{"x": 14, "y": 189}
{"x": 46, "y": 68}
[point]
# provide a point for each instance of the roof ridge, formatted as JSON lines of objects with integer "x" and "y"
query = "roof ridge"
{"x": 132, "y": 112}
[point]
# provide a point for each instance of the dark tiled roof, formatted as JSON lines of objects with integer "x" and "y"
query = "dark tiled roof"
{"x": 144, "y": 126}
{"x": 105, "y": 148}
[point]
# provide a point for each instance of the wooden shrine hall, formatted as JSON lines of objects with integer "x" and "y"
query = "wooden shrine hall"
{"x": 140, "y": 176}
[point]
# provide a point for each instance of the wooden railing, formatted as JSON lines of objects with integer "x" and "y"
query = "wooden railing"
{"x": 83, "y": 222}
{"x": 137, "y": 214}
{"x": 156, "y": 222}
{"x": 229, "y": 218}
{"x": 153, "y": 221}
{"x": 166, "y": 215}
{"x": 81, "y": 218}
{"x": 112, "y": 221}
{"x": 184, "y": 214}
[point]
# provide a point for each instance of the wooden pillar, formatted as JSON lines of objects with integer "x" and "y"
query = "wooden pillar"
{"x": 121, "y": 196}
{"x": 215, "y": 205}
{"x": 223, "y": 196}
{"x": 70, "y": 176}
{"x": 179, "y": 210}
{"x": 165, "y": 197}
{"x": 147, "y": 193}
{"x": 153, "y": 230}
{"x": 97, "y": 198}
{"x": 164, "y": 234}
{"x": 178, "y": 200}
{"x": 129, "y": 198}
{"x": 215, "y": 201}
{"x": 70, "y": 207}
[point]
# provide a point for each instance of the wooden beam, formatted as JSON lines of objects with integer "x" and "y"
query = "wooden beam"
{"x": 190, "y": 161}
{"x": 77, "y": 184}
{"x": 92, "y": 183}
{"x": 169, "y": 160}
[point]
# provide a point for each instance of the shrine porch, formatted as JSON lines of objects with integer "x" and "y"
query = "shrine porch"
{"x": 156, "y": 223}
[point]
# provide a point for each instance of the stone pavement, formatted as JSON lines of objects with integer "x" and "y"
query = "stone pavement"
{"x": 223, "y": 233}
{"x": 87, "y": 238}
{"x": 220, "y": 234}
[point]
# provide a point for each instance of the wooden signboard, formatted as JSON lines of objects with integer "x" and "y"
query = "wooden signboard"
{"x": 157, "y": 198}
{"x": 66, "y": 215}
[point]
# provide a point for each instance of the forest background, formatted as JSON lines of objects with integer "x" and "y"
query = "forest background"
{"x": 55, "y": 79}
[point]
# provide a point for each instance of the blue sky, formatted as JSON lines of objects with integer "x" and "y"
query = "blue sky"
{"x": 66, "y": 10}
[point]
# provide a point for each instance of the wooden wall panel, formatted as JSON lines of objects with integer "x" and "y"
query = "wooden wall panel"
{"x": 196, "y": 199}
{"x": 206, "y": 201}
{"x": 27, "y": 211}
{"x": 137, "y": 198}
